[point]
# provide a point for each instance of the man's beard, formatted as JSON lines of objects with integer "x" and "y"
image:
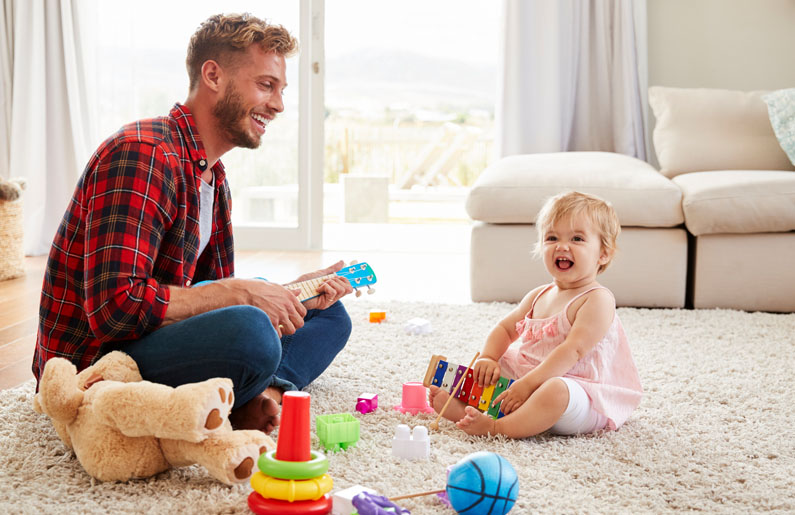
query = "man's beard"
{"x": 228, "y": 112}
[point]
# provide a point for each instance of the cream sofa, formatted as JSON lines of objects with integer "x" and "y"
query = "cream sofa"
{"x": 713, "y": 228}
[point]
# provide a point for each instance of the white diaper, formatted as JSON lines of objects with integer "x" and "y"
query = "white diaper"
{"x": 579, "y": 417}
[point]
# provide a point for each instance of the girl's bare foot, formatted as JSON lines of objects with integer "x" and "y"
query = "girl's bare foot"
{"x": 477, "y": 423}
{"x": 261, "y": 413}
{"x": 438, "y": 397}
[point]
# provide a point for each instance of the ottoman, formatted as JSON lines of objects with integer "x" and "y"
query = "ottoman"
{"x": 650, "y": 267}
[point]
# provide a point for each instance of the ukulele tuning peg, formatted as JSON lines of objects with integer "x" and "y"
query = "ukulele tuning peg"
{"x": 354, "y": 262}
{"x": 370, "y": 291}
{"x": 358, "y": 292}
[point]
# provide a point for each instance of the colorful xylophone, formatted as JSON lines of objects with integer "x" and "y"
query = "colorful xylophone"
{"x": 446, "y": 375}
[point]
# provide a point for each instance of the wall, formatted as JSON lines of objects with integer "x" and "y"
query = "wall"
{"x": 728, "y": 44}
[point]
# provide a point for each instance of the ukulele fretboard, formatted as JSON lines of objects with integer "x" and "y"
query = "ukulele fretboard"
{"x": 309, "y": 288}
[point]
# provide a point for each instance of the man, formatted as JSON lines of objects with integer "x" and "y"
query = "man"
{"x": 151, "y": 216}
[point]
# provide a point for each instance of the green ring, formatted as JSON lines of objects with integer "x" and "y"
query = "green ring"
{"x": 280, "y": 469}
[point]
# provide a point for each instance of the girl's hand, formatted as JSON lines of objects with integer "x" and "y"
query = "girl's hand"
{"x": 513, "y": 397}
{"x": 486, "y": 371}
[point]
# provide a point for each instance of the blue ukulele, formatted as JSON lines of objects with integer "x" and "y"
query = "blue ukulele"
{"x": 360, "y": 275}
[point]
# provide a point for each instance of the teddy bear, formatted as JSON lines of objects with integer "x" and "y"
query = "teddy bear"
{"x": 122, "y": 427}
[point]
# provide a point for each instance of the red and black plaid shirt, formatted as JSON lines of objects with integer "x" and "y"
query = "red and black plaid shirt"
{"x": 131, "y": 229}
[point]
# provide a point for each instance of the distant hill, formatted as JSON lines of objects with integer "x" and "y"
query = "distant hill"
{"x": 378, "y": 73}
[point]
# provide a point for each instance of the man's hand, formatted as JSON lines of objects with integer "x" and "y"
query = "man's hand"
{"x": 282, "y": 305}
{"x": 332, "y": 290}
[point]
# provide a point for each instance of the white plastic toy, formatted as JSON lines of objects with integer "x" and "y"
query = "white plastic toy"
{"x": 418, "y": 326}
{"x": 343, "y": 500}
{"x": 414, "y": 446}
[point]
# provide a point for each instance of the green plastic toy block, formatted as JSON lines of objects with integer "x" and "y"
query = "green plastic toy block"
{"x": 337, "y": 431}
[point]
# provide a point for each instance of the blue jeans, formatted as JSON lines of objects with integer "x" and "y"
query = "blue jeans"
{"x": 240, "y": 343}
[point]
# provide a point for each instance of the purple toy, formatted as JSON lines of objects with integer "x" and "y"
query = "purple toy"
{"x": 367, "y": 402}
{"x": 372, "y": 504}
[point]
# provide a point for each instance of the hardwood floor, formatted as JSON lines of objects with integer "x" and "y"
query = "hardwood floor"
{"x": 439, "y": 276}
{"x": 19, "y": 312}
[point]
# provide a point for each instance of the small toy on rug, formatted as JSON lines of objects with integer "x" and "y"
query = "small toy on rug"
{"x": 482, "y": 483}
{"x": 374, "y": 504}
{"x": 418, "y": 326}
{"x": 337, "y": 431}
{"x": 414, "y": 399}
{"x": 121, "y": 427}
{"x": 376, "y": 317}
{"x": 411, "y": 445}
{"x": 342, "y": 500}
{"x": 366, "y": 403}
{"x": 293, "y": 478}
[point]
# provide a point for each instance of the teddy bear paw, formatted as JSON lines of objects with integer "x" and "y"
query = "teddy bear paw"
{"x": 247, "y": 459}
{"x": 219, "y": 401}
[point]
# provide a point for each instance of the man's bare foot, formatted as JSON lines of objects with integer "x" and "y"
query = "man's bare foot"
{"x": 477, "y": 423}
{"x": 261, "y": 413}
{"x": 438, "y": 397}
{"x": 274, "y": 393}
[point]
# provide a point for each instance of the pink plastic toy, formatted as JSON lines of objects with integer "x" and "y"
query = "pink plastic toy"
{"x": 414, "y": 399}
{"x": 367, "y": 402}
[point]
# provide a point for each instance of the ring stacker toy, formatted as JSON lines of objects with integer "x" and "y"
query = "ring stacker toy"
{"x": 446, "y": 376}
{"x": 414, "y": 399}
{"x": 292, "y": 479}
{"x": 454, "y": 392}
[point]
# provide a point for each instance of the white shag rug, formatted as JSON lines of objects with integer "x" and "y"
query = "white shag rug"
{"x": 714, "y": 431}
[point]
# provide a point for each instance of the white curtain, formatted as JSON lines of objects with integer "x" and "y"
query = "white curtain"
{"x": 46, "y": 108}
{"x": 573, "y": 77}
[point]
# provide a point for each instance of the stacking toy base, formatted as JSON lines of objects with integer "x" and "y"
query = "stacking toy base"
{"x": 414, "y": 411}
{"x": 262, "y": 506}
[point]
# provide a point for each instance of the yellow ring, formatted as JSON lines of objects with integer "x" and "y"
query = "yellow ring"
{"x": 290, "y": 489}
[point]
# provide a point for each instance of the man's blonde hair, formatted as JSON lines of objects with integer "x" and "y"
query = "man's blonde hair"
{"x": 225, "y": 37}
{"x": 566, "y": 205}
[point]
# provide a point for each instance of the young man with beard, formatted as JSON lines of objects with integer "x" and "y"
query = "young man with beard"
{"x": 151, "y": 216}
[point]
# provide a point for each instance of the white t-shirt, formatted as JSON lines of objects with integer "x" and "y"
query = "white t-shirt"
{"x": 206, "y": 214}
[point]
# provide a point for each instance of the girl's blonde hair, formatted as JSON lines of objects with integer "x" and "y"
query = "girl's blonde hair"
{"x": 225, "y": 37}
{"x": 566, "y": 205}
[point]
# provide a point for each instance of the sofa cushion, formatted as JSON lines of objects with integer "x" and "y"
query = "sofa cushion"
{"x": 738, "y": 201}
{"x": 781, "y": 107}
{"x": 513, "y": 189}
{"x": 713, "y": 129}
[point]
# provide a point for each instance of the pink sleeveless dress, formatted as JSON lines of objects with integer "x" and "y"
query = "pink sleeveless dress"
{"x": 607, "y": 374}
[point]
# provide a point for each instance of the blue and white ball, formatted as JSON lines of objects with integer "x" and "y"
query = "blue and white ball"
{"x": 483, "y": 483}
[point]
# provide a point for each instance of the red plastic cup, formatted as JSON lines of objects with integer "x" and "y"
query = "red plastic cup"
{"x": 294, "y": 443}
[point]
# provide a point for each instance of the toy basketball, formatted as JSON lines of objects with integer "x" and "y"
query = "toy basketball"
{"x": 483, "y": 483}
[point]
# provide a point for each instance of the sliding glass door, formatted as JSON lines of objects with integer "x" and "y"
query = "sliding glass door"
{"x": 141, "y": 50}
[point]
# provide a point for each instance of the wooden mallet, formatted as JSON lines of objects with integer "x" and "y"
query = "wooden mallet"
{"x": 454, "y": 393}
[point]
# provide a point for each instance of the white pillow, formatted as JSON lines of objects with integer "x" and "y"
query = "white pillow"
{"x": 713, "y": 129}
{"x": 781, "y": 106}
